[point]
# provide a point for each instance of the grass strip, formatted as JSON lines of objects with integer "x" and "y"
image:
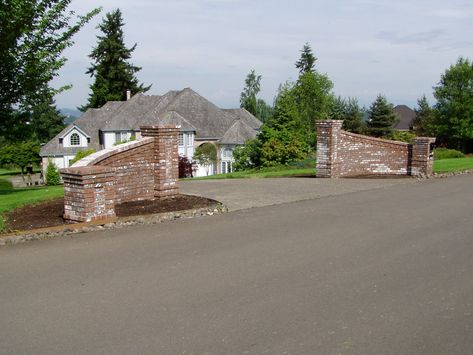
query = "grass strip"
{"x": 453, "y": 165}
{"x": 11, "y": 198}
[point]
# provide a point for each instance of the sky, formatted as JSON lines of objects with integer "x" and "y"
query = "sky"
{"x": 398, "y": 49}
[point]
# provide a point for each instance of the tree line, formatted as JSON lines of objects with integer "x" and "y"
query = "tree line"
{"x": 35, "y": 33}
{"x": 33, "y": 37}
{"x": 288, "y": 132}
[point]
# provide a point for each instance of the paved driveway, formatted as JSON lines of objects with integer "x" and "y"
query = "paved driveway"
{"x": 384, "y": 271}
{"x": 238, "y": 194}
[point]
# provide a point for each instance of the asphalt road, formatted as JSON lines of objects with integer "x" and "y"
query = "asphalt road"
{"x": 385, "y": 271}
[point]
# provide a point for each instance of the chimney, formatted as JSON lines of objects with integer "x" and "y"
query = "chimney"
{"x": 128, "y": 94}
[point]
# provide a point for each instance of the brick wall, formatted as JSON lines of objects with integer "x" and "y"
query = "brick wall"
{"x": 138, "y": 170}
{"x": 341, "y": 153}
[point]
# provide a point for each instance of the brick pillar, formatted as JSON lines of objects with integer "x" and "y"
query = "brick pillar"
{"x": 88, "y": 193}
{"x": 166, "y": 159}
{"x": 422, "y": 156}
{"x": 328, "y": 136}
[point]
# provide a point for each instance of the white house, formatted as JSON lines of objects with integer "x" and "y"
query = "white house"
{"x": 200, "y": 122}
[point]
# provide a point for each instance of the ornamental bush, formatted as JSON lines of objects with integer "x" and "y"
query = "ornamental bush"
{"x": 52, "y": 175}
{"x": 444, "y": 153}
{"x": 186, "y": 167}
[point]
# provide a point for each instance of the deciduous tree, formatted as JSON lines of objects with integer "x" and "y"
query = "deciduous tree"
{"x": 454, "y": 96}
{"x": 33, "y": 36}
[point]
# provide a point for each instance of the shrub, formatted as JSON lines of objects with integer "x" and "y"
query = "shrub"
{"x": 52, "y": 175}
{"x": 444, "y": 153}
{"x": 402, "y": 136}
{"x": 81, "y": 154}
{"x": 186, "y": 167}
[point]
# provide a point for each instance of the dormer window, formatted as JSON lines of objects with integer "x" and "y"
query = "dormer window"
{"x": 75, "y": 139}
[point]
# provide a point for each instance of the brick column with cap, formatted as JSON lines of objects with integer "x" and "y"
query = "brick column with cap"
{"x": 328, "y": 136}
{"x": 166, "y": 151}
{"x": 422, "y": 156}
{"x": 88, "y": 193}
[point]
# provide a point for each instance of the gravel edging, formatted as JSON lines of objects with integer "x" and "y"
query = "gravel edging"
{"x": 453, "y": 173}
{"x": 115, "y": 223}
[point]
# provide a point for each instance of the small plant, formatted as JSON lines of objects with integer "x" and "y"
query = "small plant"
{"x": 81, "y": 154}
{"x": 444, "y": 153}
{"x": 52, "y": 175}
{"x": 132, "y": 138}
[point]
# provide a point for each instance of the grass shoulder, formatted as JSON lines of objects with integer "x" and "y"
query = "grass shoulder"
{"x": 282, "y": 171}
{"x": 452, "y": 165}
{"x": 11, "y": 198}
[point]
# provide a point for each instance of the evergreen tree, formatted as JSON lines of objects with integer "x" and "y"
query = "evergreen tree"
{"x": 349, "y": 111}
{"x": 353, "y": 118}
{"x": 381, "y": 117}
{"x": 306, "y": 62}
{"x": 114, "y": 75}
{"x": 424, "y": 120}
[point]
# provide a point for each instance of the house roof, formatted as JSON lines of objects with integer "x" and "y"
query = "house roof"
{"x": 174, "y": 118}
{"x": 185, "y": 108}
{"x": 246, "y": 117}
{"x": 406, "y": 117}
{"x": 88, "y": 123}
{"x": 238, "y": 133}
{"x": 73, "y": 127}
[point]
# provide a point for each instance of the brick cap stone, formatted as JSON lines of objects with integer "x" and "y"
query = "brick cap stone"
{"x": 87, "y": 170}
{"x": 103, "y": 154}
{"x": 328, "y": 123}
{"x": 423, "y": 140}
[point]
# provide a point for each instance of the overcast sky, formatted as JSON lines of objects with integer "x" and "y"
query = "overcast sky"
{"x": 396, "y": 48}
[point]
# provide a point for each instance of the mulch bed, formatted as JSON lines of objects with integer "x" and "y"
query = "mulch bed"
{"x": 49, "y": 213}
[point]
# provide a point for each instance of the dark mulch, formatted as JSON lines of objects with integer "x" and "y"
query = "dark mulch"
{"x": 49, "y": 213}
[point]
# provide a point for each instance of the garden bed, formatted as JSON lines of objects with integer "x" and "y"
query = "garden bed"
{"x": 49, "y": 213}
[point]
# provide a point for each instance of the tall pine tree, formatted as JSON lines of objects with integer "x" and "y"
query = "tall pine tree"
{"x": 306, "y": 62}
{"x": 381, "y": 117}
{"x": 113, "y": 73}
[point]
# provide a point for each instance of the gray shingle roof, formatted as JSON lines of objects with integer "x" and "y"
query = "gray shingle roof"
{"x": 406, "y": 117}
{"x": 238, "y": 133}
{"x": 185, "y": 108}
{"x": 246, "y": 117}
{"x": 89, "y": 122}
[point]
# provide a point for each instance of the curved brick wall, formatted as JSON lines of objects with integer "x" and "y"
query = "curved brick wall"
{"x": 362, "y": 155}
{"x": 138, "y": 170}
{"x": 133, "y": 164}
{"x": 341, "y": 153}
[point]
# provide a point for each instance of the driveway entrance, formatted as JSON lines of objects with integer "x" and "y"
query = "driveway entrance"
{"x": 238, "y": 194}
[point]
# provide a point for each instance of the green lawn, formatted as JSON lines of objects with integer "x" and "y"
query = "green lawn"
{"x": 263, "y": 173}
{"x": 13, "y": 198}
{"x": 451, "y": 165}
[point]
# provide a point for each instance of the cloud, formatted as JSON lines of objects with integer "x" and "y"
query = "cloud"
{"x": 412, "y": 38}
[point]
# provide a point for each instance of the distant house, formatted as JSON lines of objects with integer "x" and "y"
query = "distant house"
{"x": 406, "y": 118}
{"x": 200, "y": 122}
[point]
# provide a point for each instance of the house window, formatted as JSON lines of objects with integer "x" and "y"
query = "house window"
{"x": 75, "y": 139}
{"x": 226, "y": 167}
{"x": 190, "y": 139}
{"x": 227, "y": 153}
{"x": 181, "y": 139}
